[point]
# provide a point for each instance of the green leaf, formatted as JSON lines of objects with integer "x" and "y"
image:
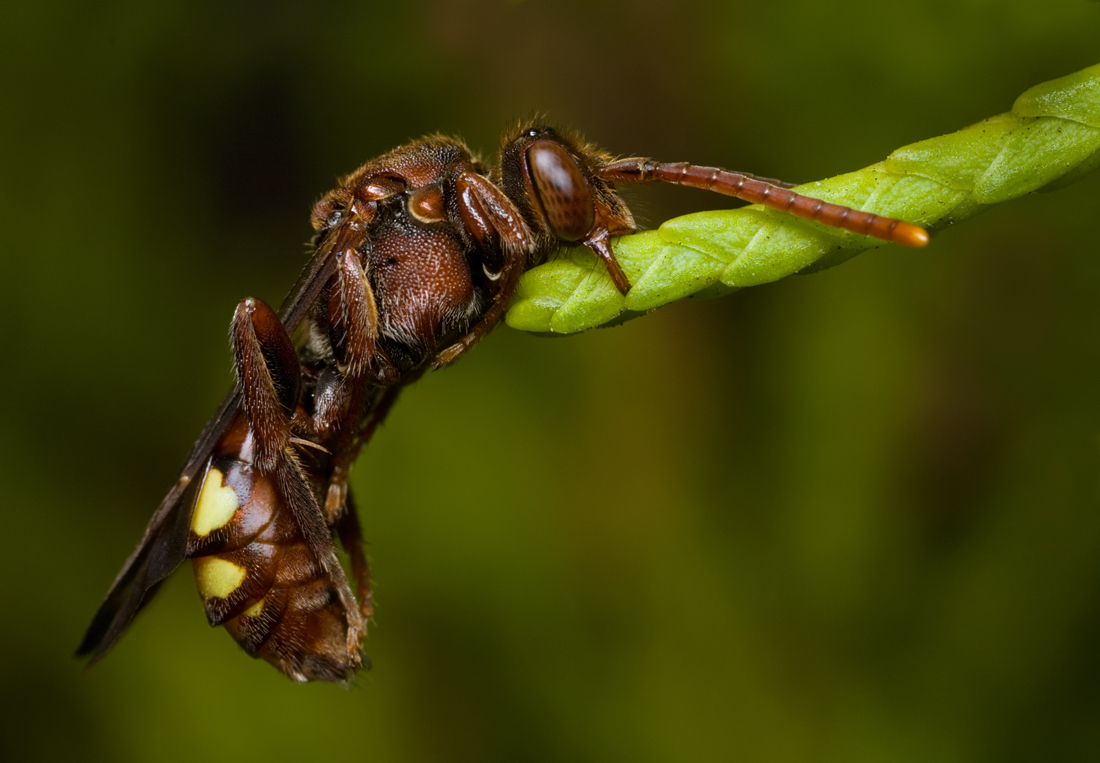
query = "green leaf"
{"x": 1050, "y": 139}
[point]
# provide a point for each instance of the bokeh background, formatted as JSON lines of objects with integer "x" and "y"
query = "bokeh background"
{"x": 853, "y": 516}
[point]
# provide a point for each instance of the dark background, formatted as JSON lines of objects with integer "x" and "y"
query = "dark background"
{"x": 845, "y": 517}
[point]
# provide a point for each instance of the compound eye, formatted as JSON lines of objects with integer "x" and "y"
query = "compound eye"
{"x": 561, "y": 190}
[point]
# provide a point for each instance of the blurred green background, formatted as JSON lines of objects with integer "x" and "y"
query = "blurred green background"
{"x": 853, "y": 516}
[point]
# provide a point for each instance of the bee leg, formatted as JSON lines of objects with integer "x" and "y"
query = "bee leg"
{"x": 350, "y": 319}
{"x": 270, "y": 379}
{"x": 295, "y": 490}
{"x": 269, "y": 376}
{"x": 351, "y": 538}
{"x": 335, "y": 499}
{"x": 493, "y": 221}
{"x": 352, "y": 315}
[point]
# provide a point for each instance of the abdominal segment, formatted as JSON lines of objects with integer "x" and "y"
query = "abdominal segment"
{"x": 258, "y": 577}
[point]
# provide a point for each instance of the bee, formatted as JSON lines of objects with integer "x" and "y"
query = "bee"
{"x": 416, "y": 256}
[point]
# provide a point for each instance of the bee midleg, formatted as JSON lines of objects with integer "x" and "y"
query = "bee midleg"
{"x": 269, "y": 375}
{"x": 335, "y": 498}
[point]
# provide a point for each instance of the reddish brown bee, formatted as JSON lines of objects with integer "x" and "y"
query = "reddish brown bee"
{"x": 417, "y": 255}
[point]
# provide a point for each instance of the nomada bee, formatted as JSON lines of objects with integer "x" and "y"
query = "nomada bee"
{"x": 417, "y": 254}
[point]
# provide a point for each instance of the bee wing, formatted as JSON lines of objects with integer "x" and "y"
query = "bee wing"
{"x": 164, "y": 544}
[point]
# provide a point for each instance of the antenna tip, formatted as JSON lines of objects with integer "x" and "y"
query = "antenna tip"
{"x": 910, "y": 235}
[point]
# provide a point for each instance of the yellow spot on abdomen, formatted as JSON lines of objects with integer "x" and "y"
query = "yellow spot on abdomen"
{"x": 255, "y": 609}
{"x": 217, "y": 578}
{"x": 216, "y": 505}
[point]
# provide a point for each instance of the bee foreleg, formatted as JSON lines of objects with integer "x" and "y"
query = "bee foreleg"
{"x": 352, "y": 315}
{"x": 487, "y": 214}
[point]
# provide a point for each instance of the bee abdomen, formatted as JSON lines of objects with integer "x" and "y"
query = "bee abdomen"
{"x": 258, "y": 577}
{"x": 303, "y": 631}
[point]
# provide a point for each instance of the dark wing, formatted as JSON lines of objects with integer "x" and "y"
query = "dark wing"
{"x": 164, "y": 544}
